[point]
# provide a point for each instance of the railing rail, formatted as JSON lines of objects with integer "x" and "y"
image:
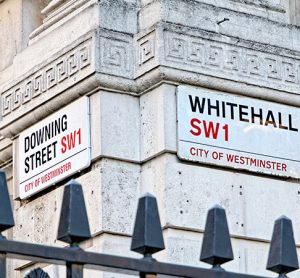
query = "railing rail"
{"x": 147, "y": 239}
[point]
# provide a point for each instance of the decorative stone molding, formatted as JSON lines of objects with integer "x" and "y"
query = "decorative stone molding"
{"x": 147, "y": 52}
{"x": 228, "y": 58}
{"x": 57, "y": 10}
{"x": 133, "y": 64}
{"x": 39, "y": 86}
{"x": 116, "y": 54}
{"x": 60, "y": 72}
{"x": 53, "y": 5}
{"x": 231, "y": 61}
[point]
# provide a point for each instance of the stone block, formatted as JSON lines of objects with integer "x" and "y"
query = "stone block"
{"x": 115, "y": 126}
{"x": 113, "y": 245}
{"x": 294, "y": 12}
{"x": 119, "y": 15}
{"x": 158, "y": 121}
{"x": 184, "y": 247}
{"x": 37, "y": 220}
{"x": 5, "y": 150}
{"x": 238, "y": 23}
{"x": 18, "y": 20}
{"x": 276, "y": 10}
{"x": 57, "y": 38}
{"x": 186, "y": 191}
{"x": 111, "y": 190}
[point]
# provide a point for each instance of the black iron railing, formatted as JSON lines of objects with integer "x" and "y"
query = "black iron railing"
{"x": 147, "y": 239}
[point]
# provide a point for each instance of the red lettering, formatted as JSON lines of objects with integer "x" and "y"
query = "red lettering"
{"x": 63, "y": 144}
{"x": 230, "y": 157}
{"x": 192, "y": 151}
{"x": 197, "y": 131}
{"x": 69, "y": 141}
{"x": 211, "y": 130}
{"x": 79, "y": 135}
{"x": 225, "y": 127}
{"x": 284, "y": 167}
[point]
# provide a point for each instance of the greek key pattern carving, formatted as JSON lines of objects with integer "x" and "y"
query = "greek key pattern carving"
{"x": 115, "y": 56}
{"x": 231, "y": 62}
{"x": 146, "y": 48}
{"x": 42, "y": 81}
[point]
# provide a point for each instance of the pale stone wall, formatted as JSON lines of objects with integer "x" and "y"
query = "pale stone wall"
{"x": 18, "y": 20}
{"x": 128, "y": 57}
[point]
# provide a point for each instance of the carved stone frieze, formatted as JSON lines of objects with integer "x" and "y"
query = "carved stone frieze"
{"x": 116, "y": 54}
{"x": 232, "y": 62}
{"x": 221, "y": 57}
{"x": 60, "y": 74}
{"x": 130, "y": 63}
{"x": 146, "y": 52}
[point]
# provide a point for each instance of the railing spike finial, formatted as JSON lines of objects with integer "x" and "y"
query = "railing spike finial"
{"x": 283, "y": 255}
{"x": 6, "y": 214}
{"x": 216, "y": 247}
{"x": 73, "y": 224}
{"x": 147, "y": 237}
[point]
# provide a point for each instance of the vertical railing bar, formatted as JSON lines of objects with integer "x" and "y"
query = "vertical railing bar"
{"x": 74, "y": 270}
{"x": 2, "y": 265}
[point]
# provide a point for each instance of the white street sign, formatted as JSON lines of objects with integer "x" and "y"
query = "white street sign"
{"x": 239, "y": 132}
{"x": 54, "y": 148}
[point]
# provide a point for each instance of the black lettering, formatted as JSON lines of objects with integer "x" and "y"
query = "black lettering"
{"x": 231, "y": 105}
{"x": 40, "y": 136}
{"x": 64, "y": 123}
{"x": 280, "y": 125}
{"x": 44, "y": 155}
{"x": 32, "y": 140}
{"x": 27, "y": 168}
{"x": 48, "y": 132}
{"x": 216, "y": 107}
{"x": 49, "y": 152}
{"x": 26, "y": 144}
{"x": 38, "y": 159}
{"x": 270, "y": 119}
{"x": 242, "y": 113}
{"x": 255, "y": 115}
{"x": 291, "y": 124}
{"x": 57, "y": 127}
{"x": 54, "y": 148}
{"x": 196, "y": 104}
{"x": 223, "y": 110}
{"x": 31, "y": 161}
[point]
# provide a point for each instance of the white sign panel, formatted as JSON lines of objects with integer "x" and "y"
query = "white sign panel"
{"x": 239, "y": 132}
{"x": 54, "y": 148}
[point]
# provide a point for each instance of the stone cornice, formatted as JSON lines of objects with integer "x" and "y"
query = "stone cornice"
{"x": 133, "y": 64}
